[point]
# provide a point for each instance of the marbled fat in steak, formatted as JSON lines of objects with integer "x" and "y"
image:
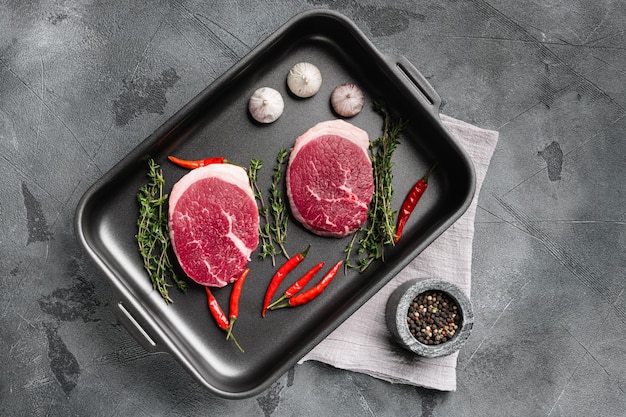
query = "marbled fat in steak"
{"x": 214, "y": 223}
{"x": 329, "y": 178}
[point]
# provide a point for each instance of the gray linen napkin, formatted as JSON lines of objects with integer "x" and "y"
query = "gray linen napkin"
{"x": 362, "y": 343}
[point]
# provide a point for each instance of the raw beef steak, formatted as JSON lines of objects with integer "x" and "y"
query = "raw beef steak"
{"x": 329, "y": 178}
{"x": 214, "y": 223}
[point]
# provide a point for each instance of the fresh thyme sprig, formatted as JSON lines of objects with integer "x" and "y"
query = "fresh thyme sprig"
{"x": 278, "y": 207}
{"x": 152, "y": 233}
{"x": 265, "y": 230}
{"x": 379, "y": 230}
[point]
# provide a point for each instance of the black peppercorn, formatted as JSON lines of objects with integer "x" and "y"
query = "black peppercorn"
{"x": 432, "y": 317}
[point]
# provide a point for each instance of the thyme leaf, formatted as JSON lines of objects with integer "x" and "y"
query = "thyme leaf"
{"x": 153, "y": 235}
{"x": 277, "y": 206}
{"x": 265, "y": 230}
{"x": 379, "y": 230}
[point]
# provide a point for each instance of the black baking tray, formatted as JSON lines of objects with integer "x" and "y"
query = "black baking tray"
{"x": 216, "y": 122}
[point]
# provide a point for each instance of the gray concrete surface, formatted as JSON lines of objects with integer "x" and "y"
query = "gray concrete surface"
{"x": 83, "y": 82}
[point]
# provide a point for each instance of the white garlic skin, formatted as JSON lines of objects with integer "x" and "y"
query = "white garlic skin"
{"x": 266, "y": 105}
{"x": 347, "y": 100}
{"x": 304, "y": 79}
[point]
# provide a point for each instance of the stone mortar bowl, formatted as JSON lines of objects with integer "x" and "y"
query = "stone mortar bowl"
{"x": 398, "y": 307}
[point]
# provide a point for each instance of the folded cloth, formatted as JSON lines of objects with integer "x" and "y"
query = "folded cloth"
{"x": 362, "y": 343}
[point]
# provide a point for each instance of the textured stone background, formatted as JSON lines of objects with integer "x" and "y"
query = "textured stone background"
{"x": 83, "y": 82}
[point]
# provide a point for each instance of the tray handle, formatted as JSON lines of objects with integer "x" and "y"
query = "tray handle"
{"x": 126, "y": 318}
{"x": 414, "y": 78}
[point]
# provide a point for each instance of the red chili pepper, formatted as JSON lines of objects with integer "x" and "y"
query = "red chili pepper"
{"x": 219, "y": 315}
{"x": 313, "y": 292}
{"x": 233, "y": 311}
{"x": 193, "y": 164}
{"x": 298, "y": 285}
{"x": 411, "y": 201}
{"x": 216, "y": 311}
{"x": 278, "y": 277}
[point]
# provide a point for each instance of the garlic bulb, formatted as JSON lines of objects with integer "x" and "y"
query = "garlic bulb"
{"x": 304, "y": 79}
{"x": 266, "y": 105}
{"x": 347, "y": 100}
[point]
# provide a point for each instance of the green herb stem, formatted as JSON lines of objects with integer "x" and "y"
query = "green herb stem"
{"x": 265, "y": 232}
{"x": 153, "y": 235}
{"x": 379, "y": 230}
{"x": 277, "y": 204}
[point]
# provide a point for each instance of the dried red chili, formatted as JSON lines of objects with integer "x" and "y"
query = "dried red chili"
{"x": 411, "y": 200}
{"x": 312, "y": 293}
{"x": 193, "y": 164}
{"x": 233, "y": 311}
{"x": 219, "y": 315}
{"x": 298, "y": 285}
{"x": 278, "y": 277}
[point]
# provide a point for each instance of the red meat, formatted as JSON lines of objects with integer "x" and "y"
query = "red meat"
{"x": 214, "y": 222}
{"x": 329, "y": 178}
